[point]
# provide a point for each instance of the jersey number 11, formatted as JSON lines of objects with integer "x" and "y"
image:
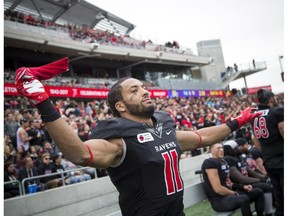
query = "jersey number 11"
{"x": 171, "y": 172}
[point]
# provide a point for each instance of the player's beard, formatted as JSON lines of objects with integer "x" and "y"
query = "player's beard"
{"x": 140, "y": 110}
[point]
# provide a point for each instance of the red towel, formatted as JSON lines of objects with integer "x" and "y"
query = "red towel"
{"x": 49, "y": 70}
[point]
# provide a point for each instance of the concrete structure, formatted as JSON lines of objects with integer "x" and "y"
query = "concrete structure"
{"x": 212, "y": 49}
{"x": 96, "y": 197}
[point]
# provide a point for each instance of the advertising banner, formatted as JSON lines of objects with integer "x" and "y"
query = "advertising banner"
{"x": 78, "y": 92}
{"x": 255, "y": 89}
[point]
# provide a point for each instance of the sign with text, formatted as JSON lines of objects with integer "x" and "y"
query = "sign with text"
{"x": 77, "y": 92}
{"x": 198, "y": 93}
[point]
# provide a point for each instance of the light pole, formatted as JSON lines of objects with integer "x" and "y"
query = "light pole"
{"x": 281, "y": 66}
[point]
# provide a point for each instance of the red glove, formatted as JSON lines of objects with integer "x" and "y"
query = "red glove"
{"x": 246, "y": 116}
{"x": 49, "y": 70}
{"x": 30, "y": 87}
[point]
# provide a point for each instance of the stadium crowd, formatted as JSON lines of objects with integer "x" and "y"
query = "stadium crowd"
{"x": 28, "y": 146}
{"x": 87, "y": 35}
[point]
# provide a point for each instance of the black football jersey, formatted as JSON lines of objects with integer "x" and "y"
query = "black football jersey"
{"x": 148, "y": 177}
{"x": 234, "y": 161}
{"x": 265, "y": 129}
{"x": 223, "y": 171}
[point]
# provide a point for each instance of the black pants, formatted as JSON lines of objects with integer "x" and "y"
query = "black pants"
{"x": 266, "y": 187}
{"x": 277, "y": 180}
{"x": 231, "y": 203}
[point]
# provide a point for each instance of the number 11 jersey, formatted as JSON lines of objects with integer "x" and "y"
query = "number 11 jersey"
{"x": 147, "y": 177}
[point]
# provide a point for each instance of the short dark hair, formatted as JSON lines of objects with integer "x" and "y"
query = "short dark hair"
{"x": 25, "y": 160}
{"x": 264, "y": 96}
{"x": 228, "y": 150}
{"x": 115, "y": 95}
{"x": 55, "y": 157}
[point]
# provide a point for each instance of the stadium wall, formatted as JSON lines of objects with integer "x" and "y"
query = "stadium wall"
{"x": 96, "y": 197}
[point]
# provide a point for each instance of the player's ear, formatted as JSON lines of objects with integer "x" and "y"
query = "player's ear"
{"x": 120, "y": 106}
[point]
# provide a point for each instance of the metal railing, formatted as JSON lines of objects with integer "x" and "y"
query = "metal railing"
{"x": 15, "y": 181}
{"x": 258, "y": 65}
{"x": 55, "y": 174}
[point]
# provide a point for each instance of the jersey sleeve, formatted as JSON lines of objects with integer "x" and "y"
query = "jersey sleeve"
{"x": 231, "y": 161}
{"x": 208, "y": 164}
{"x": 277, "y": 115}
{"x": 106, "y": 129}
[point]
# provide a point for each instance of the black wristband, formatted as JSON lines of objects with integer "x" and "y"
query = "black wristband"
{"x": 233, "y": 125}
{"x": 48, "y": 111}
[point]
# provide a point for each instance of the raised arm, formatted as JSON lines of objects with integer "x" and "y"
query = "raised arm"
{"x": 210, "y": 135}
{"x": 96, "y": 152}
{"x": 203, "y": 137}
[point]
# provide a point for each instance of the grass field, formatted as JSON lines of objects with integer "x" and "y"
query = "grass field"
{"x": 203, "y": 209}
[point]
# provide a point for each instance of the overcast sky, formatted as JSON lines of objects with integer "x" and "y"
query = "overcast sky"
{"x": 248, "y": 29}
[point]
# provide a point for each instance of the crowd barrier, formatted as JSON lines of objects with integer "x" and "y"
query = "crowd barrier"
{"x": 22, "y": 188}
{"x": 95, "y": 197}
{"x": 15, "y": 181}
{"x": 55, "y": 174}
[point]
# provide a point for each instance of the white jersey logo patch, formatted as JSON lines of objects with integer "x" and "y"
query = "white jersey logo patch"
{"x": 145, "y": 137}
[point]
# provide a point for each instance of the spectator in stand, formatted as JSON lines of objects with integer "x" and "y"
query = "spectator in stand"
{"x": 27, "y": 171}
{"x": 47, "y": 148}
{"x": 9, "y": 155}
{"x": 10, "y": 174}
{"x": 35, "y": 115}
{"x": 88, "y": 108}
{"x": 10, "y": 128}
{"x": 14, "y": 103}
{"x": 70, "y": 109}
{"x": 36, "y": 133}
{"x": 83, "y": 129}
{"x": 45, "y": 168}
{"x": 175, "y": 45}
{"x": 26, "y": 114}
{"x": 186, "y": 122}
{"x": 22, "y": 136}
{"x": 208, "y": 121}
{"x": 82, "y": 109}
{"x": 20, "y": 154}
{"x": 90, "y": 120}
{"x": 40, "y": 128}
{"x": 57, "y": 166}
{"x": 33, "y": 153}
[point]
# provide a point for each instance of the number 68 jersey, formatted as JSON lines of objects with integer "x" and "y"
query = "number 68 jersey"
{"x": 147, "y": 177}
{"x": 265, "y": 129}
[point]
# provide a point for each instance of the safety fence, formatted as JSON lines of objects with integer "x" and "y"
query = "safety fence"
{"x": 13, "y": 182}
{"x": 34, "y": 187}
